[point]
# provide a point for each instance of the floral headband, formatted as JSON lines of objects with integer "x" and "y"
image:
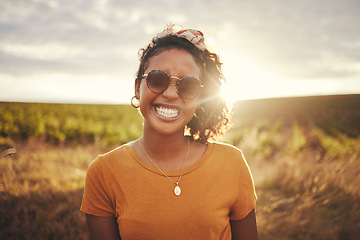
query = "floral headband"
{"x": 196, "y": 37}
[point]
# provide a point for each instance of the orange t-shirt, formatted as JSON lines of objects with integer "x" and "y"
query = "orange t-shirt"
{"x": 217, "y": 188}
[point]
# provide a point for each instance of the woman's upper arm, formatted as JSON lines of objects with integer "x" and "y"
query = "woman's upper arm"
{"x": 102, "y": 227}
{"x": 245, "y": 228}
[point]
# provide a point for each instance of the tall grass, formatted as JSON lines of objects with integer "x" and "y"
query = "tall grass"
{"x": 41, "y": 189}
{"x": 308, "y": 185}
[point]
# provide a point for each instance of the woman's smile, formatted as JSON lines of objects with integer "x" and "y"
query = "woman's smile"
{"x": 170, "y": 113}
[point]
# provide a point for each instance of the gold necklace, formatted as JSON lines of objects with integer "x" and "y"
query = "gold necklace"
{"x": 177, "y": 189}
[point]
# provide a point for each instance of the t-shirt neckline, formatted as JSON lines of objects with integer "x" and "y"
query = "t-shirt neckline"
{"x": 187, "y": 170}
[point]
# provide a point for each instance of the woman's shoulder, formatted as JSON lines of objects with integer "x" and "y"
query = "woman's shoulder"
{"x": 113, "y": 157}
{"x": 116, "y": 152}
{"x": 232, "y": 159}
{"x": 225, "y": 148}
{"x": 227, "y": 154}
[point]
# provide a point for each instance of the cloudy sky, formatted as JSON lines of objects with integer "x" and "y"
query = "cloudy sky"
{"x": 85, "y": 51}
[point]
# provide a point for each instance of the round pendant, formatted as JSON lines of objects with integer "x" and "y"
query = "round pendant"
{"x": 177, "y": 190}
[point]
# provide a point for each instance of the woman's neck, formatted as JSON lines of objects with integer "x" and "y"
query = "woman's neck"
{"x": 164, "y": 148}
{"x": 168, "y": 152}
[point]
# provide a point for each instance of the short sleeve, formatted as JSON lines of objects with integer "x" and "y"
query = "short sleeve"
{"x": 246, "y": 196}
{"x": 96, "y": 200}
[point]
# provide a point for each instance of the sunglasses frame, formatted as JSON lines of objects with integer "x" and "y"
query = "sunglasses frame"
{"x": 177, "y": 83}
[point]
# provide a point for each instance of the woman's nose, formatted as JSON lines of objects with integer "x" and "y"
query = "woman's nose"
{"x": 171, "y": 91}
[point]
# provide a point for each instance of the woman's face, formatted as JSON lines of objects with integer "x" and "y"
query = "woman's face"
{"x": 167, "y": 113}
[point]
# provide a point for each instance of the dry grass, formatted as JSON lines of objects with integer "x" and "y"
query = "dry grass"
{"x": 307, "y": 176}
{"x": 307, "y": 200}
{"x": 41, "y": 188}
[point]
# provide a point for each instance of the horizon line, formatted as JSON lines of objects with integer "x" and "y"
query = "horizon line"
{"x": 120, "y": 103}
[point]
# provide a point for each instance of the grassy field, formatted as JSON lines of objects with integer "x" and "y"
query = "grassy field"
{"x": 305, "y": 157}
{"x": 102, "y": 125}
{"x": 303, "y": 152}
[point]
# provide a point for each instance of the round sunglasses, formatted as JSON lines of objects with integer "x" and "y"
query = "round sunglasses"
{"x": 188, "y": 87}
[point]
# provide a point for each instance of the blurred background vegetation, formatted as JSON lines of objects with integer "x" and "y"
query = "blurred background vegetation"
{"x": 303, "y": 153}
{"x": 102, "y": 125}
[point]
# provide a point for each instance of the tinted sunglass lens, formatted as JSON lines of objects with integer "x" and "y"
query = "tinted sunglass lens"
{"x": 158, "y": 81}
{"x": 189, "y": 87}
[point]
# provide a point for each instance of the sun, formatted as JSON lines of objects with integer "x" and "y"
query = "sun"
{"x": 247, "y": 79}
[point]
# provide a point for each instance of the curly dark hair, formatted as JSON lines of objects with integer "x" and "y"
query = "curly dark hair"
{"x": 211, "y": 119}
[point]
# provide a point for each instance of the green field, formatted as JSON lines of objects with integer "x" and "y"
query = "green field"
{"x": 303, "y": 152}
{"x": 102, "y": 125}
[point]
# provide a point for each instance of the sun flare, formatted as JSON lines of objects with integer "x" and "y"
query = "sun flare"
{"x": 246, "y": 79}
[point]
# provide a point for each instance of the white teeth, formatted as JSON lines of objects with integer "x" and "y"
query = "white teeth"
{"x": 167, "y": 112}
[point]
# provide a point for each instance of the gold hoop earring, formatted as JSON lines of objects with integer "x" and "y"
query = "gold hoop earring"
{"x": 136, "y": 104}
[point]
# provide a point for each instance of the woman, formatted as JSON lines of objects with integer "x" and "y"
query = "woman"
{"x": 173, "y": 182}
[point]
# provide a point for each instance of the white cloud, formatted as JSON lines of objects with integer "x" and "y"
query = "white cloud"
{"x": 46, "y": 51}
{"x": 67, "y": 88}
{"x": 305, "y": 40}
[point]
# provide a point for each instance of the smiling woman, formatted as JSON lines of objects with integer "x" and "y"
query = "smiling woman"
{"x": 175, "y": 182}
